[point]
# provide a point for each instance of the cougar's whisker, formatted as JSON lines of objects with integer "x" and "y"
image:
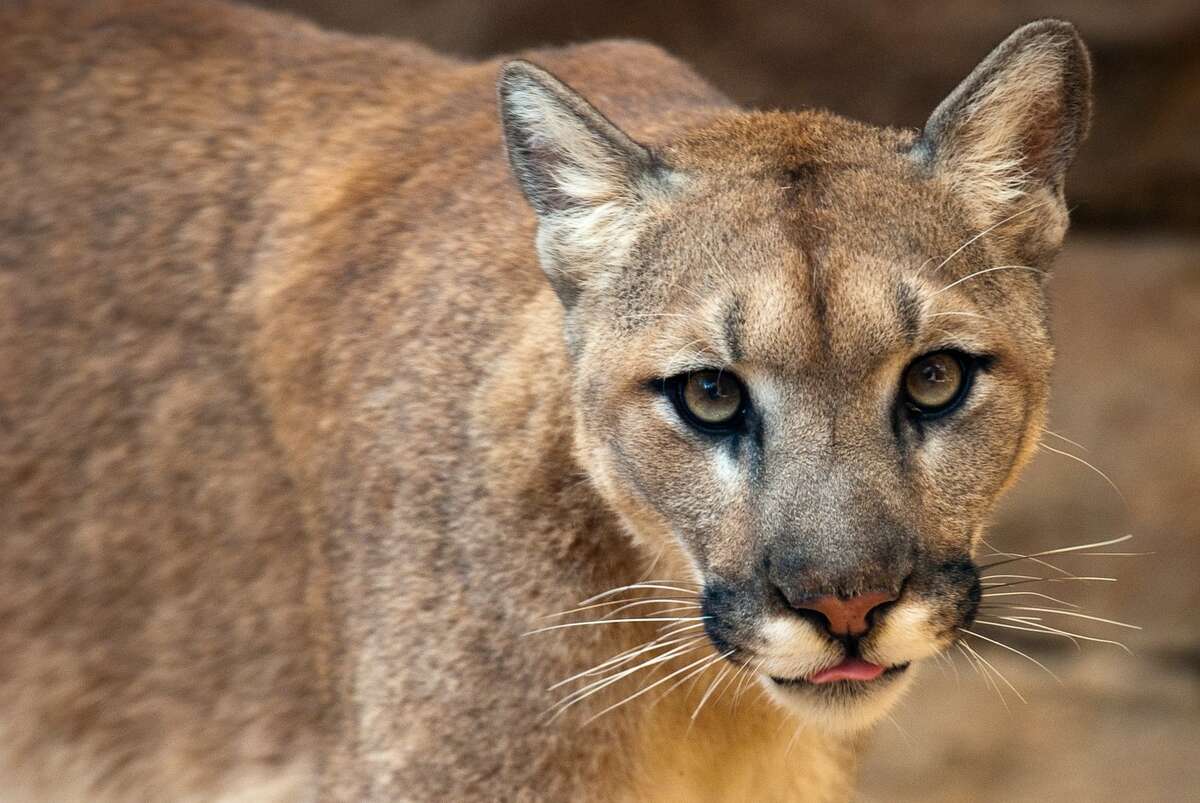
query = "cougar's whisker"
{"x": 998, "y": 674}
{"x": 1065, "y": 439}
{"x": 637, "y": 694}
{"x": 623, "y": 603}
{"x": 751, "y": 670}
{"x": 1044, "y": 580}
{"x": 1045, "y": 628}
{"x": 732, "y": 680}
{"x": 592, "y": 688}
{"x": 1097, "y": 471}
{"x": 1015, "y": 650}
{"x": 712, "y": 687}
{"x": 992, "y": 269}
{"x": 652, "y": 585}
{"x": 1028, "y": 594}
{"x": 949, "y": 659}
{"x": 1075, "y": 614}
{"x": 983, "y": 233}
{"x": 1027, "y": 624}
{"x": 979, "y": 670}
{"x": 1030, "y": 626}
{"x": 595, "y": 622}
{"x": 1017, "y": 556}
{"x": 693, "y": 676}
{"x": 622, "y": 658}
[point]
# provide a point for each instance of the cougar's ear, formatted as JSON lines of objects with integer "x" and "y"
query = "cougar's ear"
{"x": 587, "y": 180}
{"x": 1006, "y": 136}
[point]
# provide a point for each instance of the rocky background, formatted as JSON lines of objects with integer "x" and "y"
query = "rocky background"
{"x": 1127, "y": 390}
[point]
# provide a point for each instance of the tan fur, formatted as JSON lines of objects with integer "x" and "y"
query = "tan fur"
{"x": 297, "y": 443}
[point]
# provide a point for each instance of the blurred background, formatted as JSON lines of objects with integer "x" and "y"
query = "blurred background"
{"x": 1127, "y": 386}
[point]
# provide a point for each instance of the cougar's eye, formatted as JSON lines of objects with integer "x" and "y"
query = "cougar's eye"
{"x": 709, "y": 400}
{"x": 935, "y": 383}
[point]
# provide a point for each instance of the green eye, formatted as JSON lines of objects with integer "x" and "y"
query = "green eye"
{"x": 709, "y": 400}
{"x": 935, "y": 382}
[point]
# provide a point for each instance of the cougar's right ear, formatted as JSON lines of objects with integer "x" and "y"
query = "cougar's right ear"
{"x": 1006, "y": 136}
{"x": 587, "y": 180}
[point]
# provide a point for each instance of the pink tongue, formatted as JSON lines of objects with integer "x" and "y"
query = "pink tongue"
{"x": 849, "y": 669}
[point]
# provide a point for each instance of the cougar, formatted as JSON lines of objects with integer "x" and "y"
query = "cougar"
{"x": 359, "y": 441}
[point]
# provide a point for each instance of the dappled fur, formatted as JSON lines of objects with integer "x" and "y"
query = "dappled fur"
{"x": 296, "y": 441}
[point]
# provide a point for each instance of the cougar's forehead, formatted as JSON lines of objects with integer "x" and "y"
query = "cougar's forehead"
{"x": 819, "y": 277}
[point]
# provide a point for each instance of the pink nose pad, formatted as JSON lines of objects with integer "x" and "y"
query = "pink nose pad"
{"x": 847, "y": 617}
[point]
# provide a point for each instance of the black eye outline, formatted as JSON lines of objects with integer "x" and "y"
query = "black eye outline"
{"x": 673, "y": 388}
{"x": 968, "y": 366}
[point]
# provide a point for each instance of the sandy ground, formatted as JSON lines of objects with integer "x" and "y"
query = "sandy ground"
{"x": 1119, "y": 727}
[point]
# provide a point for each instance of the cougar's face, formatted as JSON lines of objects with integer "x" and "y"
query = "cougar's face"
{"x": 820, "y": 414}
{"x": 808, "y": 355}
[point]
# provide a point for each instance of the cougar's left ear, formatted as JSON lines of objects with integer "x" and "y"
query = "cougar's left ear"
{"x": 587, "y": 180}
{"x": 1006, "y": 136}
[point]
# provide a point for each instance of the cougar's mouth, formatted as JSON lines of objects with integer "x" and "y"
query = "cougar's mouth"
{"x": 850, "y": 674}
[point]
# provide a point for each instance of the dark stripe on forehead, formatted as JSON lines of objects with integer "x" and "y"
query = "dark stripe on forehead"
{"x": 908, "y": 309}
{"x": 733, "y": 328}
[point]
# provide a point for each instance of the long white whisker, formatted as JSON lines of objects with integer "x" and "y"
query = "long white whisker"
{"x": 637, "y": 694}
{"x": 621, "y": 602}
{"x": 949, "y": 659}
{"x": 725, "y": 670}
{"x": 1013, "y": 649}
{"x": 1028, "y": 626}
{"x": 1060, "y": 550}
{"x": 1032, "y": 626}
{"x": 999, "y": 674}
{"x": 616, "y": 622}
{"x": 624, "y": 657}
{"x": 979, "y": 670}
{"x": 1075, "y": 614}
{"x": 676, "y": 647}
{"x": 957, "y": 282}
{"x": 738, "y": 673}
{"x": 1098, "y": 472}
{"x": 1029, "y": 594}
{"x": 587, "y": 691}
{"x": 1036, "y": 557}
{"x": 1029, "y": 580}
{"x": 1045, "y": 628}
{"x": 693, "y": 676}
{"x": 990, "y": 228}
{"x": 647, "y": 585}
{"x": 1065, "y": 439}
{"x": 1014, "y": 557}
{"x": 1114, "y": 554}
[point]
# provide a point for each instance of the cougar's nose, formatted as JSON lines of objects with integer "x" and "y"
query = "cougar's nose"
{"x": 845, "y": 616}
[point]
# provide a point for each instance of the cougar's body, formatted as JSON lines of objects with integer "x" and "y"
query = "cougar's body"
{"x": 293, "y": 448}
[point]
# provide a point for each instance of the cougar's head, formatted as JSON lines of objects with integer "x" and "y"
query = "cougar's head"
{"x": 809, "y": 354}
